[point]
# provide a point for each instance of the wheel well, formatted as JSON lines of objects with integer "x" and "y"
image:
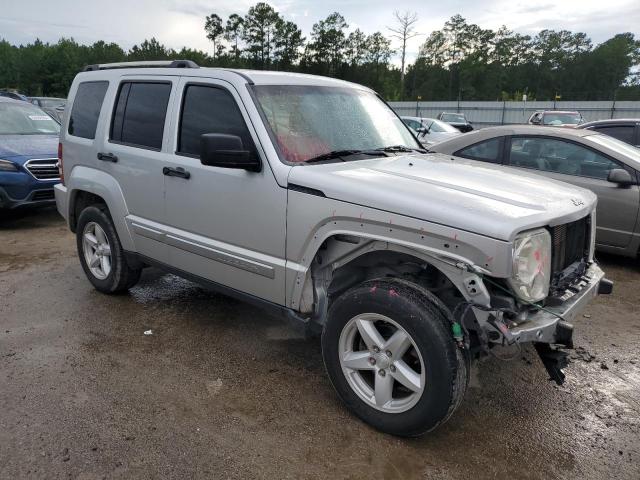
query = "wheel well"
{"x": 389, "y": 263}
{"x": 79, "y": 201}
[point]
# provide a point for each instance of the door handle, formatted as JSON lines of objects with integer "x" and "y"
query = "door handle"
{"x": 107, "y": 157}
{"x": 176, "y": 172}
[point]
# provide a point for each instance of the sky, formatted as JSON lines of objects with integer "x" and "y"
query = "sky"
{"x": 178, "y": 23}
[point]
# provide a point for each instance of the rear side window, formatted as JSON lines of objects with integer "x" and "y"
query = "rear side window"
{"x": 209, "y": 110}
{"x": 487, "y": 151}
{"x": 621, "y": 132}
{"x": 139, "y": 114}
{"x": 86, "y": 109}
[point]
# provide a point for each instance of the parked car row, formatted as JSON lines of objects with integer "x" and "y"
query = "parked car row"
{"x": 411, "y": 262}
{"x": 53, "y": 106}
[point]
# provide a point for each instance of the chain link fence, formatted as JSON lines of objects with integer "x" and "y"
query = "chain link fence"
{"x": 486, "y": 114}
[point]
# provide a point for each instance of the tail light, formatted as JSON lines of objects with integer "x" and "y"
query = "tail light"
{"x": 60, "y": 169}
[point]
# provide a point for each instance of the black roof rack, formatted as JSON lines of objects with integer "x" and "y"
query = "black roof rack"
{"x": 149, "y": 64}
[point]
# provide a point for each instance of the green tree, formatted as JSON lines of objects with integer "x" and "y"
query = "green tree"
{"x": 356, "y": 48}
{"x": 258, "y": 33}
{"x": 233, "y": 33}
{"x": 150, "y": 50}
{"x": 328, "y": 43}
{"x": 213, "y": 27}
{"x": 288, "y": 41}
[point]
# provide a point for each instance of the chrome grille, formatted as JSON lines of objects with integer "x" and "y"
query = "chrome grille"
{"x": 44, "y": 169}
{"x": 570, "y": 244}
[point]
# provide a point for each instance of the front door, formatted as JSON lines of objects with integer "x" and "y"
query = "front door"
{"x": 226, "y": 225}
{"x": 576, "y": 164}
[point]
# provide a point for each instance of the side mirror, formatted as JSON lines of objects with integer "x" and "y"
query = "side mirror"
{"x": 535, "y": 120}
{"x": 422, "y": 130}
{"x": 226, "y": 151}
{"x": 621, "y": 177}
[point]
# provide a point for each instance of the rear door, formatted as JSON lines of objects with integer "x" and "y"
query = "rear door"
{"x": 134, "y": 152}
{"x": 224, "y": 224}
{"x": 574, "y": 163}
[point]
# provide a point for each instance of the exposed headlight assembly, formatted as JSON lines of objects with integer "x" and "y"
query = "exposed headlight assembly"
{"x": 7, "y": 166}
{"x": 532, "y": 265}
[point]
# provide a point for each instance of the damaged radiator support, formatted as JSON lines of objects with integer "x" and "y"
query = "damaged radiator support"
{"x": 552, "y": 357}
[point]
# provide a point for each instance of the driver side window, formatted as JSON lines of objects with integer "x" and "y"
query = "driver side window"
{"x": 558, "y": 156}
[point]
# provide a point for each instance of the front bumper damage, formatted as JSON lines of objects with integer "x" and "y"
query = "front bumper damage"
{"x": 542, "y": 326}
{"x": 551, "y": 329}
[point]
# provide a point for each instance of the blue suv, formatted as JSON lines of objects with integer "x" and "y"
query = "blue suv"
{"x": 28, "y": 155}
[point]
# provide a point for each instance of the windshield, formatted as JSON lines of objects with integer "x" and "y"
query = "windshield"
{"x": 436, "y": 126}
{"x": 618, "y": 146}
{"x": 561, "y": 119}
{"x": 453, "y": 117}
{"x": 25, "y": 119}
{"x": 309, "y": 121}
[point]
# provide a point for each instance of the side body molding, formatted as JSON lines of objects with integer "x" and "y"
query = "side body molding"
{"x": 203, "y": 247}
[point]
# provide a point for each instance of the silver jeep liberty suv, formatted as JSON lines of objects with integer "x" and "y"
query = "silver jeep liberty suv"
{"x": 309, "y": 197}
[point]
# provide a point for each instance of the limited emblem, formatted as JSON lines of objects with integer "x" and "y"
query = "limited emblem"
{"x": 577, "y": 202}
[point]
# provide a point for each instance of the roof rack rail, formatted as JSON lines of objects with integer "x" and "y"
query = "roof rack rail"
{"x": 148, "y": 64}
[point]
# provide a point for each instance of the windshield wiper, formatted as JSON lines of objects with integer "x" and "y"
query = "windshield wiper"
{"x": 341, "y": 153}
{"x": 400, "y": 148}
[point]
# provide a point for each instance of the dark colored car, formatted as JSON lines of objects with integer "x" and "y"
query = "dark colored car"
{"x": 28, "y": 155}
{"x": 52, "y": 105}
{"x": 624, "y": 129}
{"x": 458, "y": 120}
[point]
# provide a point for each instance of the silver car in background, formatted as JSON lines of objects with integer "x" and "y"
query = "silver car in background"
{"x": 430, "y": 130}
{"x": 606, "y": 166}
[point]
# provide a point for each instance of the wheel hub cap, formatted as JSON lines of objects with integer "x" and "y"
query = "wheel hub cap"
{"x": 96, "y": 250}
{"x": 381, "y": 363}
{"x": 382, "y": 360}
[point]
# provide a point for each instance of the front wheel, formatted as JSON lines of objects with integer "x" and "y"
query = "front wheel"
{"x": 390, "y": 355}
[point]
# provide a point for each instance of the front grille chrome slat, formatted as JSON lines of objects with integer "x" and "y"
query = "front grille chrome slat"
{"x": 43, "y": 168}
{"x": 570, "y": 248}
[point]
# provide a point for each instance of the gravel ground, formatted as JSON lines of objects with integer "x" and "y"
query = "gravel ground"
{"x": 221, "y": 390}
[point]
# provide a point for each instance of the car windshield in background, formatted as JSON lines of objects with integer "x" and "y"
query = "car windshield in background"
{"x": 25, "y": 119}
{"x": 619, "y": 146}
{"x": 561, "y": 119}
{"x": 436, "y": 126}
{"x": 453, "y": 117}
{"x": 310, "y": 121}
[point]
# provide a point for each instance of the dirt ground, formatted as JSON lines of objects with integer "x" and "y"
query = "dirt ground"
{"x": 220, "y": 390}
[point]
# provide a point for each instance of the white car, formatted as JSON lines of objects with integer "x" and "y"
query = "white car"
{"x": 429, "y": 130}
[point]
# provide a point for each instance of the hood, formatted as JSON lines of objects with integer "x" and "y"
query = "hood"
{"x": 45, "y": 146}
{"x": 464, "y": 194}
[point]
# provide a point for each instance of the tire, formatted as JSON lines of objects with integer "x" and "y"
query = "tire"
{"x": 439, "y": 369}
{"x": 120, "y": 276}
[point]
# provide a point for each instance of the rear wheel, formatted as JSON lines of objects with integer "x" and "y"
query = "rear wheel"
{"x": 101, "y": 254}
{"x": 389, "y": 353}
